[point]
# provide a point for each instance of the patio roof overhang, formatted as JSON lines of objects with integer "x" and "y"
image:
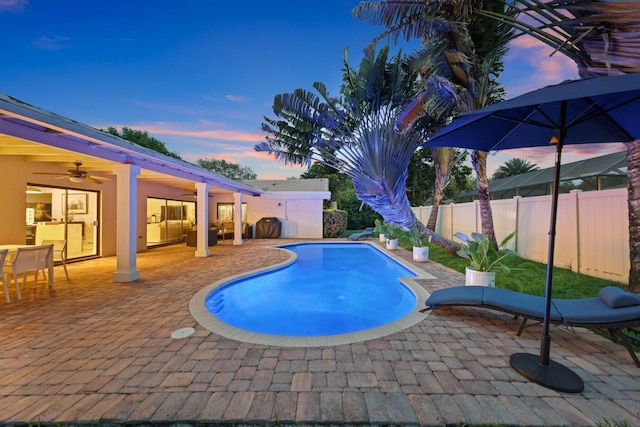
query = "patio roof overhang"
{"x": 41, "y": 136}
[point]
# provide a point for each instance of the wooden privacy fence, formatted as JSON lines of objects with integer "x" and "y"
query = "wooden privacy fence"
{"x": 592, "y": 232}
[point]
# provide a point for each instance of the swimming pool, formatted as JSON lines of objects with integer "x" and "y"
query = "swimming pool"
{"x": 344, "y": 291}
{"x": 330, "y": 289}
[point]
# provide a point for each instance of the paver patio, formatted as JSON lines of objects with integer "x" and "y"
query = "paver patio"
{"x": 101, "y": 352}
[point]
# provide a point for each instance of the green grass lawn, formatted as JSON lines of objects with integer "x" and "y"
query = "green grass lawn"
{"x": 526, "y": 276}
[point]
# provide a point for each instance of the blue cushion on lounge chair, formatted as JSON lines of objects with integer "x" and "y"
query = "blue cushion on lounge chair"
{"x": 522, "y": 304}
{"x": 589, "y": 312}
{"x": 593, "y": 311}
{"x": 457, "y": 295}
{"x": 616, "y": 298}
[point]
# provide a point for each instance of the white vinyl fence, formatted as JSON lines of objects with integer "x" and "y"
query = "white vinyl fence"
{"x": 592, "y": 231}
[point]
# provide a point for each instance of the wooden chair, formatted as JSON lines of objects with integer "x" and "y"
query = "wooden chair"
{"x": 32, "y": 259}
{"x": 59, "y": 253}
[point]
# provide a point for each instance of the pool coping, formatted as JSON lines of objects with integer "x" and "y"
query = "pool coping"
{"x": 208, "y": 321}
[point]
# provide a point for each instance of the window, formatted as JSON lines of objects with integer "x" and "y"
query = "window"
{"x": 226, "y": 212}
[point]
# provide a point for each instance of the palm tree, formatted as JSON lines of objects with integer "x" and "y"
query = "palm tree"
{"x": 463, "y": 55}
{"x": 444, "y": 159}
{"x": 603, "y": 38}
{"x": 515, "y": 166}
{"x": 355, "y": 134}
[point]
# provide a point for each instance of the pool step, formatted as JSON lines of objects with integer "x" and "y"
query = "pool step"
{"x": 216, "y": 303}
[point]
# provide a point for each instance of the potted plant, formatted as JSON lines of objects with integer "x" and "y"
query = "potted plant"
{"x": 484, "y": 259}
{"x": 391, "y": 234}
{"x": 420, "y": 252}
{"x": 380, "y": 228}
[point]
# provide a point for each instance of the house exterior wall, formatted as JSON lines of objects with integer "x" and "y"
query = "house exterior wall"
{"x": 307, "y": 217}
{"x": 12, "y": 218}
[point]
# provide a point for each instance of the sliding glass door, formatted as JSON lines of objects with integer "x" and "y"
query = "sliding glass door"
{"x": 59, "y": 213}
{"x": 168, "y": 220}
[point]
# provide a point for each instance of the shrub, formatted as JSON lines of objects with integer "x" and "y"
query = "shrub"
{"x": 334, "y": 222}
{"x": 360, "y": 215}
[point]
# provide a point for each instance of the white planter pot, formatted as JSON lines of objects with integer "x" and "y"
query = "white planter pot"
{"x": 392, "y": 244}
{"x": 382, "y": 238}
{"x": 480, "y": 278}
{"x": 421, "y": 254}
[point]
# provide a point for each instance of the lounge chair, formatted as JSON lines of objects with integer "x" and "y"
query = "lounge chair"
{"x": 356, "y": 236}
{"x": 613, "y": 309}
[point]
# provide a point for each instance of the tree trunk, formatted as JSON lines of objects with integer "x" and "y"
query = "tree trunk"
{"x": 633, "y": 201}
{"x": 479, "y": 162}
{"x": 437, "y": 198}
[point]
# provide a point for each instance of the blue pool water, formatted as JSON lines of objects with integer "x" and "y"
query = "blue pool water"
{"x": 330, "y": 289}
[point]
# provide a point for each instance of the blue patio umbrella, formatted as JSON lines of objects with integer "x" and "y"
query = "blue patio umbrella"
{"x": 595, "y": 110}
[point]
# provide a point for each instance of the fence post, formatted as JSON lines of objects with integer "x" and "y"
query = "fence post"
{"x": 451, "y": 232}
{"x": 516, "y": 208}
{"x": 575, "y": 264}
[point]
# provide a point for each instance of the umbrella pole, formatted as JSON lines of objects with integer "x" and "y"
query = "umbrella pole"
{"x": 545, "y": 337}
{"x": 541, "y": 369}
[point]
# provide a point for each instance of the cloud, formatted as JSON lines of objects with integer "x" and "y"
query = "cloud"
{"x": 51, "y": 43}
{"x": 529, "y": 65}
{"x": 193, "y": 143}
{"x": 215, "y": 134}
{"x": 262, "y": 164}
{"x": 13, "y": 5}
{"x": 544, "y": 157}
{"x": 237, "y": 98}
{"x": 205, "y": 140}
{"x": 185, "y": 130}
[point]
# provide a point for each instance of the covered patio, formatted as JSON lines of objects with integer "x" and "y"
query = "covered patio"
{"x": 101, "y": 352}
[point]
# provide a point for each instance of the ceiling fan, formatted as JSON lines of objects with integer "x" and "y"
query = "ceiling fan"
{"x": 77, "y": 175}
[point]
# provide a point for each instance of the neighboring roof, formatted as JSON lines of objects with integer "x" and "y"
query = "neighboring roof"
{"x": 302, "y": 185}
{"x": 539, "y": 182}
{"x": 19, "y": 119}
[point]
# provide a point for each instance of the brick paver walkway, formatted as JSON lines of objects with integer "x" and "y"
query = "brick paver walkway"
{"x": 102, "y": 352}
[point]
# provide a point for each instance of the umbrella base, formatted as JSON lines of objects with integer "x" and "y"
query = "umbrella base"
{"x": 554, "y": 376}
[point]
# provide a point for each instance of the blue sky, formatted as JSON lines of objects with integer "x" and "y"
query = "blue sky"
{"x": 200, "y": 75}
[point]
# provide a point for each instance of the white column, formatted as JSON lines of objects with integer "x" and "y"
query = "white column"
{"x": 202, "y": 214}
{"x": 238, "y": 219}
{"x": 126, "y": 223}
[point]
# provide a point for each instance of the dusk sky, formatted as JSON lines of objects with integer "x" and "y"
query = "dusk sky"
{"x": 200, "y": 75}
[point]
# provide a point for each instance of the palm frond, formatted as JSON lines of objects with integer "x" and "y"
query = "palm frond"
{"x": 401, "y": 18}
{"x": 387, "y": 13}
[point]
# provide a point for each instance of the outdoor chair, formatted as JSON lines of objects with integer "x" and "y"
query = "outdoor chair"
{"x": 3, "y": 257}
{"x": 366, "y": 233}
{"x": 32, "y": 259}
{"x": 613, "y": 309}
{"x": 59, "y": 253}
